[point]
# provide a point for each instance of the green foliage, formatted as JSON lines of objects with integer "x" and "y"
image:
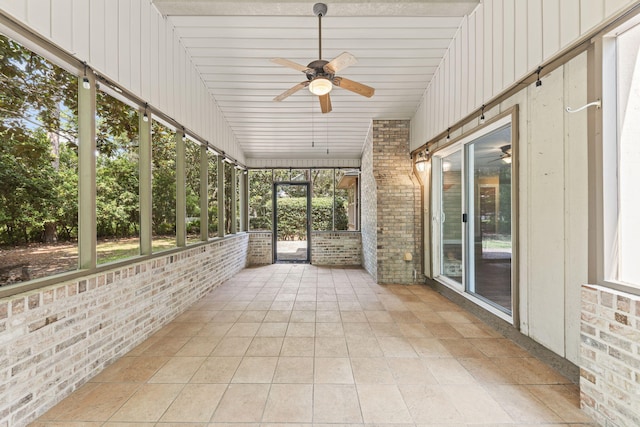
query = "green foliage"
{"x": 292, "y": 216}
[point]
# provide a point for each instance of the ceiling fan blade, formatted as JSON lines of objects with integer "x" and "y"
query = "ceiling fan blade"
{"x": 289, "y": 64}
{"x": 355, "y": 87}
{"x": 340, "y": 62}
{"x": 291, "y": 91}
{"x": 325, "y": 103}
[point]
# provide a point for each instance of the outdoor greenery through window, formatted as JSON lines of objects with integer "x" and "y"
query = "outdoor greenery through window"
{"x": 192, "y": 179}
{"x": 228, "y": 170}
{"x": 334, "y": 202}
{"x": 163, "y": 155}
{"x": 212, "y": 196}
{"x": 117, "y": 180}
{"x": 38, "y": 166}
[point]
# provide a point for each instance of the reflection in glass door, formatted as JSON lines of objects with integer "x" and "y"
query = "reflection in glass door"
{"x": 473, "y": 242}
{"x": 291, "y": 201}
{"x": 489, "y": 251}
{"x": 451, "y": 217}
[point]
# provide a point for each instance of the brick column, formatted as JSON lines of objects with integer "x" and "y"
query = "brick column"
{"x": 387, "y": 171}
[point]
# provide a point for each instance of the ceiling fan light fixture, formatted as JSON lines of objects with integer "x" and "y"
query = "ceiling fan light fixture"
{"x": 320, "y": 86}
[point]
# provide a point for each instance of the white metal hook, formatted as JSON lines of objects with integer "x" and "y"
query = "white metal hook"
{"x": 597, "y": 103}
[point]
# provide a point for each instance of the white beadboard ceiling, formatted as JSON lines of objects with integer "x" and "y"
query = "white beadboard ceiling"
{"x": 398, "y": 44}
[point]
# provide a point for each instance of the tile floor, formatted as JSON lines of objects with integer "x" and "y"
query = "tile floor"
{"x": 299, "y": 345}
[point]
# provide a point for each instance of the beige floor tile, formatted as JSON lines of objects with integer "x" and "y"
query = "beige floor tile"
{"x": 148, "y": 403}
{"x": 562, "y": 399}
{"x": 449, "y": 371}
{"x": 429, "y": 347}
{"x": 470, "y": 330}
{"x": 272, "y": 329}
{"x": 166, "y": 346}
{"x": 410, "y": 371}
{"x": 461, "y": 348}
{"x": 378, "y": 316}
{"x": 414, "y": 330}
{"x": 255, "y": 370}
{"x": 358, "y": 330}
{"x": 476, "y": 404}
{"x": 301, "y": 330}
{"x": 428, "y": 404}
{"x": 528, "y": 370}
{"x": 396, "y": 347}
{"x": 298, "y": 346}
{"x": 333, "y": 403}
{"x": 486, "y": 371}
{"x": 232, "y": 346}
{"x": 331, "y": 347}
{"x": 199, "y": 346}
{"x": 215, "y": 329}
{"x": 328, "y": 316}
{"x": 227, "y": 316}
{"x": 253, "y": 316}
{"x": 366, "y": 346}
{"x": 403, "y": 317}
{"x": 73, "y": 401}
{"x": 195, "y": 403}
{"x": 353, "y": 316}
{"x": 71, "y": 424}
{"x": 294, "y": 370}
{"x": 521, "y": 405}
{"x": 277, "y": 316}
{"x": 498, "y": 347}
{"x": 382, "y": 404}
{"x": 243, "y": 330}
{"x": 131, "y": 369}
{"x": 442, "y": 330}
{"x": 216, "y": 370}
{"x": 371, "y": 370}
{"x": 178, "y": 370}
{"x": 303, "y": 316}
{"x": 289, "y": 403}
{"x": 333, "y": 370}
{"x": 265, "y": 346}
{"x": 332, "y": 329}
{"x": 242, "y": 403}
{"x": 99, "y": 403}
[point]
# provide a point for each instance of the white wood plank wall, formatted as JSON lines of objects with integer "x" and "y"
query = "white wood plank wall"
{"x": 129, "y": 42}
{"x": 497, "y": 44}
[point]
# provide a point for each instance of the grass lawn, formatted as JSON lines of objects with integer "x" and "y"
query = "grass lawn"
{"x": 114, "y": 250}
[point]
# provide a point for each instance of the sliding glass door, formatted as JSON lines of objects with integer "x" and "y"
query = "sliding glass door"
{"x": 473, "y": 216}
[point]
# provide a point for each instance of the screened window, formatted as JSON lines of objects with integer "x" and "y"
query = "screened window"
{"x": 260, "y": 203}
{"x": 38, "y": 166}
{"x": 213, "y": 194}
{"x": 192, "y": 190}
{"x": 117, "y": 184}
{"x": 163, "y": 167}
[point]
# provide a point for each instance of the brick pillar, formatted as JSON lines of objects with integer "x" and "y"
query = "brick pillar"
{"x": 398, "y": 227}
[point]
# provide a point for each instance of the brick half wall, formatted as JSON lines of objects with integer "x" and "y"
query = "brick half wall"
{"x": 336, "y": 248}
{"x": 56, "y": 338}
{"x": 610, "y": 356}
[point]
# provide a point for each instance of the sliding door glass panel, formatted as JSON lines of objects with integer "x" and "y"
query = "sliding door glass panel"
{"x": 451, "y": 217}
{"x": 489, "y": 228}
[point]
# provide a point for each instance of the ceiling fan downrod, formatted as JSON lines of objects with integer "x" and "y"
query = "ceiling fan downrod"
{"x": 320, "y": 9}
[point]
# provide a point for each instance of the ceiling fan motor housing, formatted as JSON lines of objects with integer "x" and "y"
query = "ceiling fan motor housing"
{"x": 316, "y": 69}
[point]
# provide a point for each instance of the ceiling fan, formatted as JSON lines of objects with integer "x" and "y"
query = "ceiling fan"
{"x": 321, "y": 74}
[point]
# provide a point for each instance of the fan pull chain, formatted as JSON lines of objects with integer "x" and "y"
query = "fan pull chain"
{"x": 313, "y": 144}
{"x": 327, "y": 122}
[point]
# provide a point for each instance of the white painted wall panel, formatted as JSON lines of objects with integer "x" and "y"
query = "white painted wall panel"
{"x": 613, "y": 6}
{"x": 80, "y": 29}
{"x": 111, "y": 46}
{"x": 162, "y": 62}
{"x": 61, "y": 25}
{"x": 124, "y": 45}
{"x": 97, "y": 36}
{"x": 145, "y": 49}
{"x": 497, "y": 55}
{"x": 487, "y": 60}
{"x": 534, "y": 33}
{"x": 479, "y": 70}
{"x": 521, "y": 57}
{"x": 569, "y": 21}
{"x": 591, "y": 13}
{"x": 154, "y": 59}
{"x": 135, "y": 31}
{"x": 546, "y": 219}
{"x": 550, "y": 28}
{"x": 39, "y": 16}
{"x": 464, "y": 69}
{"x": 471, "y": 72}
{"x": 16, "y": 8}
{"x": 457, "y": 81}
{"x": 509, "y": 31}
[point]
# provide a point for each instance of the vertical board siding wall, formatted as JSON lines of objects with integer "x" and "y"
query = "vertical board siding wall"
{"x": 130, "y": 43}
{"x": 497, "y": 44}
